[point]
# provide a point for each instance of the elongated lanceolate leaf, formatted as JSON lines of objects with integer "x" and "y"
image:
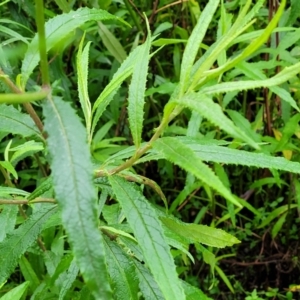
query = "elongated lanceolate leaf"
{"x": 58, "y": 28}
{"x": 254, "y": 45}
{"x": 148, "y": 285}
{"x": 201, "y": 234}
{"x": 183, "y": 156}
{"x": 226, "y": 155}
{"x": 136, "y": 91}
{"x": 206, "y": 107}
{"x": 192, "y": 293}
{"x": 8, "y": 218}
{"x": 111, "y": 43}
{"x": 82, "y": 70}
{"x": 68, "y": 279}
{"x": 210, "y": 56}
{"x": 194, "y": 42}
{"x": 149, "y": 234}
{"x": 273, "y": 82}
{"x": 13, "y": 121}
{"x": 72, "y": 173}
{"x": 257, "y": 74}
{"x": 17, "y": 292}
{"x": 21, "y": 239}
{"x": 122, "y": 272}
{"x": 111, "y": 89}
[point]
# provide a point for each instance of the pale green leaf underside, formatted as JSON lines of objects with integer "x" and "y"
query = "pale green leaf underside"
{"x": 21, "y": 239}
{"x": 149, "y": 234}
{"x": 58, "y": 28}
{"x": 206, "y": 107}
{"x": 185, "y": 157}
{"x": 72, "y": 174}
{"x": 201, "y": 234}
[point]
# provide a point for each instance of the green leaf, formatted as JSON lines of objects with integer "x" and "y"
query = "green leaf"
{"x": 194, "y": 42}
{"x": 180, "y": 154}
{"x": 201, "y": 233}
{"x": 68, "y": 279}
{"x": 254, "y": 45}
{"x": 225, "y": 279}
{"x": 111, "y": 89}
{"x": 72, "y": 174}
{"x": 205, "y": 106}
{"x": 58, "y": 28}
{"x": 261, "y": 81}
{"x": 192, "y": 293}
{"x": 29, "y": 273}
{"x": 278, "y": 225}
{"x": 136, "y": 92}
{"x": 12, "y": 248}
{"x": 25, "y": 150}
{"x": 15, "y": 122}
{"x": 147, "y": 284}
{"x": 44, "y": 187}
{"x": 8, "y": 217}
{"x": 219, "y": 154}
{"x": 9, "y": 167}
{"x": 5, "y": 190}
{"x": 276, "y": 213}
{"x": 17, "y": 292}
{"x": 122, "y": 272}
{"x": 149, "y": 234}
{"x": 111, "y": 43}
{"x": 82, "y": 64}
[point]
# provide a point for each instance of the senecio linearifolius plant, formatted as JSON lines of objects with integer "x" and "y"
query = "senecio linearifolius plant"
{"x": 126, "y": 254}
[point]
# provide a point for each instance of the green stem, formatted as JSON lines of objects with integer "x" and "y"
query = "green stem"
{"x": 20, "y": 202}
{"x": 21, "y": 95}
{"x": 40, "y": 22}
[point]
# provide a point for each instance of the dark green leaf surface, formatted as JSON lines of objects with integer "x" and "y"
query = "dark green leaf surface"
{"x": 58, "y": 28}
{"x": 149, "y": 234}
{"x": 21, "y": 239}
{"x": 13, "y": 121}
{"x": 72, "y": 173}
{"x": 122, "y": 272}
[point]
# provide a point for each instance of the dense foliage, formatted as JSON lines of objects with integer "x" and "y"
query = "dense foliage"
{"x": 149, "y": 149}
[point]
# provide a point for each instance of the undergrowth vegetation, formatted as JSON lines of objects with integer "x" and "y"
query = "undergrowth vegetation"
{"x": 149, "y": 149}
